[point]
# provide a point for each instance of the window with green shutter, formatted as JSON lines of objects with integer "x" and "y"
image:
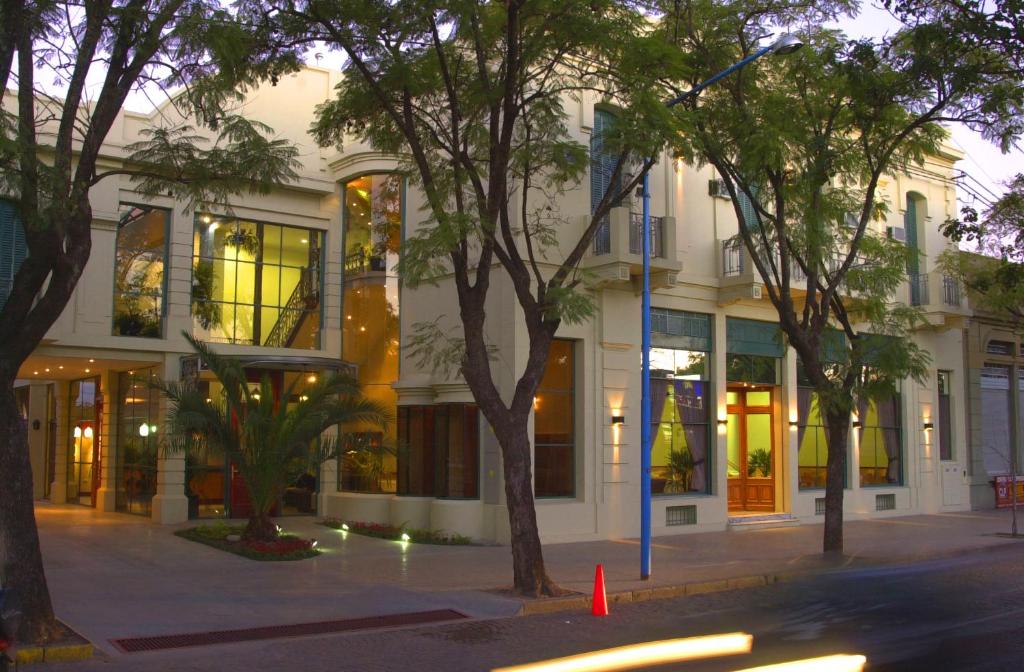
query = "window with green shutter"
{"x": 602, "y": 167}
{"x": 13, "y": 249}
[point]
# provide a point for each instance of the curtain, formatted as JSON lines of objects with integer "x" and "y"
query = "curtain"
{"x": 691, "y": 401}
{"x": 803, "y": 410}
{"x": 888, "y": 420}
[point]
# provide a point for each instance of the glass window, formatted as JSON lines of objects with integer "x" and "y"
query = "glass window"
{"x": 84, "y": 413}
{"x": 679, "y": 453}
{"x": 255, "y": 283}
{"x": 372, "y": 221}
{"x": 752, "y": 369}
{"x": 554, "y": 424}
{"x": 139, "y": 261}
{"x": 439, "y": 451}
{"x": 812, "y": 441}
{"x": 881, "y": 442}
{"x": 945, "y": 417}
{"x": 138, "y": 409}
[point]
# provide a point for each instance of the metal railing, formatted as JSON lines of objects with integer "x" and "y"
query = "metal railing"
{"x": 918, "y": 289}
{"x": 603, "y": 237}
{"x": 305, "y": 296}
{"x": 636, "y": 228}
{"x": 950, "y": 291}
{"x": 732, "y": 258}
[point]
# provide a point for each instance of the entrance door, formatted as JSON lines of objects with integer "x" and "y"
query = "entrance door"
{"x": 751, "y": 438}
{"x": 84, "y": 413}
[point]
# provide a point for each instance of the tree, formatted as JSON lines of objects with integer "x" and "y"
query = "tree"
{"x": 469, "y": 94}
{"x": 994, "y": 275}
{"x": 270, "y": 441}
{"x": 50, "y": 146}
{"x": 801, "y": 145}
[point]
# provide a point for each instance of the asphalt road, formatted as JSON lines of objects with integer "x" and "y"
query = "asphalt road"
{"x": 962, "y": 613}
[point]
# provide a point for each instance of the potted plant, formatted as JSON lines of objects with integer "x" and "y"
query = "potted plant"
{"x": 680, "y": 469}
{"x": 759, "y": 463}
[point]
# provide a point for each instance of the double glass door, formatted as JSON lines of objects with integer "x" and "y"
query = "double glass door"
{"x": 84, "y": 413}
{"x": 751, "y": 449}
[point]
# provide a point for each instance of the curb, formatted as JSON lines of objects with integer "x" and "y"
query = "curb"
{"x": 31, "y": 655}
{"x": 554, "y": 605}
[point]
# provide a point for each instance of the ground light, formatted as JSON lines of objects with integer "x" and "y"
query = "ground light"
{"x": 786, "y": 44}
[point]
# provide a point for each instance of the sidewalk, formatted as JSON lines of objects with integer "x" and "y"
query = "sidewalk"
{"x": 114, "y": 575}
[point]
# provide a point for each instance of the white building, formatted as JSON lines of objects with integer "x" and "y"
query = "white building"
{"x": 302, "y": 281}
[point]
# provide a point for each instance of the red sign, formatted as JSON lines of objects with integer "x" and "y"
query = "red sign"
{"x": 1004, "y": 496}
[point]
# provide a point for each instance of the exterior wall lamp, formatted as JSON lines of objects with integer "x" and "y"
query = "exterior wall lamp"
{"x": 928, "y": 426}
{"x": 618, "y": 420}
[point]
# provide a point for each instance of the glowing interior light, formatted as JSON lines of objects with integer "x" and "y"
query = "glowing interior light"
{"x": 78, "y": 432}
{"x": 88, "y": 432}
{"x": 311, "y": 378}
{"x": 406, "y": 537}
{"x": 92, "y": 361}
{"x": 344, "y": 527}
{"x": 643, "y": 655}
{"x": 143, "y": 429}
{"x": 314, "y": 544}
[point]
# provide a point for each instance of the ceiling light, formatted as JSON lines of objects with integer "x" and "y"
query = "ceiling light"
{"x": 88, "y": 370}
{"x": 92, "y": 361}
{"x": 311, "y": 378}
{"x": 35, "y": 373}
{"x": 47, "y": 370}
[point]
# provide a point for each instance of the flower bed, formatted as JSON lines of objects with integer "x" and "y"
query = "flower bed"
{"x": 411, "y": 534}
{"x": 285, "y": 547}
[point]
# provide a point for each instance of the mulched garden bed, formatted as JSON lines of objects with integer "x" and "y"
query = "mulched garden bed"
{"x": 285, "y": 547}
{"x": 410, "y": 534}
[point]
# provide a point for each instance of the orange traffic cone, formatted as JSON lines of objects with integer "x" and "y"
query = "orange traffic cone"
{"x": 600, "y": 601}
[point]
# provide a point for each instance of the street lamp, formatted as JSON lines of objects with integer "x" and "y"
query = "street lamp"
{"x": 786, "y": 44}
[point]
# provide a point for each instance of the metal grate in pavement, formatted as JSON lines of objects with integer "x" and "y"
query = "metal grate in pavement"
{"x": 160, "y": 642}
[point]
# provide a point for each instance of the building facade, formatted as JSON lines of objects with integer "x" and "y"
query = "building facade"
{"x": 302, "y": 281}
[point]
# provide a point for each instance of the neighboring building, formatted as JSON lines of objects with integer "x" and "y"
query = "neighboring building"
{"x": 995, "y": 392}
{"x": 302, "y": 281}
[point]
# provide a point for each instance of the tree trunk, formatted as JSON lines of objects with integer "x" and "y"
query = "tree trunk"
{"x": 21, "y": 563}
{"x": 838, "y": 424}
{"x": 530, "y": 577}
{"x": 260, "y": 528}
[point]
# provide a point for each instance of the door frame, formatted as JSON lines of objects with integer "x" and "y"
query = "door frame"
{"x": 741, "y": 410}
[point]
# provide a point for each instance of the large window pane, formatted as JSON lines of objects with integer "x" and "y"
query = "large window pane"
{"x": 138, "y": 432}
{"x": 812, "y": 441}
{"x": 679, "y": 454}
{"x": 242, "y": 267}
{"x": 139, "y": 260}
{"x": 554, "y": 426}
{"x": 881, "y": 450}
{"x": 372, "y": 221}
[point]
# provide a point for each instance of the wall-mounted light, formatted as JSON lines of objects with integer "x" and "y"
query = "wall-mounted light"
{"x": 618, "y": 420}
{"x": 722, "y": 422}
{"x": 928, "y": 426}
{"x": 856, "y": 424}
{"x": 793, "y": 424}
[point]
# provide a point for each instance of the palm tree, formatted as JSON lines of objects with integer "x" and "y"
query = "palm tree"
{"x": 270, "y": 443}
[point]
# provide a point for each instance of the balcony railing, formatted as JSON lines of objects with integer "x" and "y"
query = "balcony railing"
{"x": 950, "y": 291}
{"x": 733, "y": 258}
{"x": 636, "y": 229}
{"x": 918, "y": 289}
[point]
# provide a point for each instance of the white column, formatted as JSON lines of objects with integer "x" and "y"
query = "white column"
{"x": 169, "y": 504}
{"x": 106, "y": 496}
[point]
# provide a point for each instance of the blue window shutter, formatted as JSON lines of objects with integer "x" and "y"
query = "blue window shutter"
{"x": 750, "y": 217}
{"x": 13, "y": 249}
{"x": 602, "y": 166}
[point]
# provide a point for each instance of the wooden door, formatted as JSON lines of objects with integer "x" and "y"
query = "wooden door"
{"x": 751, "y": 451}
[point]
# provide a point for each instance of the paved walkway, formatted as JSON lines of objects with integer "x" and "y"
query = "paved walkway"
{"x": 114, "y": 575}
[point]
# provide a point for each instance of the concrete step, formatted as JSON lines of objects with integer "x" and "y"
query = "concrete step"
{"x": 762, "y": 521}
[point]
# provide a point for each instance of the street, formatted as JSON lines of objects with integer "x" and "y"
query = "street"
{"x": 959, "y": 613}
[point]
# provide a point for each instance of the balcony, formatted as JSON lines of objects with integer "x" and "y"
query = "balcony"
{"x": 737, "y": 275}
{"x": 940, "y": 298}
{"x": 616, "y": 258}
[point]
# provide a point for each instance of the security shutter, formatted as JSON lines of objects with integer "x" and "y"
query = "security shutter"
{"x": 602, "y": 166}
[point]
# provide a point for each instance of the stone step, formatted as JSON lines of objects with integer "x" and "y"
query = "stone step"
{"x": 762, "y": 521}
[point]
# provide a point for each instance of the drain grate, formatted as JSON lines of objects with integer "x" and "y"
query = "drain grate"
{"x": 160, "y": 642}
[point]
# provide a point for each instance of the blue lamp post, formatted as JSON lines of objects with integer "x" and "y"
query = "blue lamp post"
{"x": 786, "y": 44}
